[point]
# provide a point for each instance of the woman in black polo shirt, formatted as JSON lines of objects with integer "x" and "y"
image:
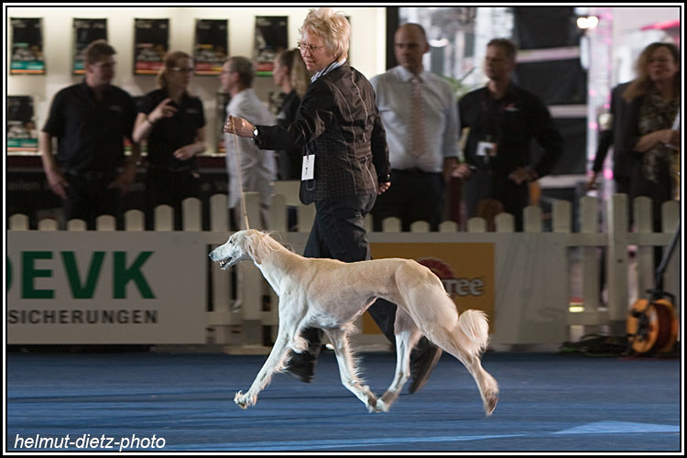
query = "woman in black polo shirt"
{"x": 173, "y": 123}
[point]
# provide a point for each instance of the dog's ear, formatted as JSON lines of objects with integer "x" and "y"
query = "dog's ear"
{"x": 252, "y": 248}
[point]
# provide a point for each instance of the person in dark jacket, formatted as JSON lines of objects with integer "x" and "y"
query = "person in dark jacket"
{"x": 346, "y": 164}
{"x": 503, "y": 119}
{"x": 610, "y": 134}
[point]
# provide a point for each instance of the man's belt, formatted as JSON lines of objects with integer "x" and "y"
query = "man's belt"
{"x": 92, "y": 175}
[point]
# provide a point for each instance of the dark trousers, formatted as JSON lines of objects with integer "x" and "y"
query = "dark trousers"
{"x": 485, "y": 184}
{"x": 89, "y": 198}
{"x": 339, "y": 233}
{"x": 414, "y": 195}
{"x": 168, "y": 188}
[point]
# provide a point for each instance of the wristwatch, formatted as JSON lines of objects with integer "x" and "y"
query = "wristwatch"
{"x": 255, "y": 132}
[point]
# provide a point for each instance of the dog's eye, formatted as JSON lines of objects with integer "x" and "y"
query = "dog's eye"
{"x": 231, "y": 242}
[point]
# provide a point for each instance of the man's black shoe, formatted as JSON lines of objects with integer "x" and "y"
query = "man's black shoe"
{"x": 301, "y": 366}
{"x": 424, "y": 357}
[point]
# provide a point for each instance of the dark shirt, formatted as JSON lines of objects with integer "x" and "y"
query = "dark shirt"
{"x": 170, "y": 134}
{"x": 91, "y": 133}
{"x": 339, "y": 123}
{"x": 511, "y": 122}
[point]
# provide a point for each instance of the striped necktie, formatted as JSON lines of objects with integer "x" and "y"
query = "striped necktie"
{"x": 417, "y": 121}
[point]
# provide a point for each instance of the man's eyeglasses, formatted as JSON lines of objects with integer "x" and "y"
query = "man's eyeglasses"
{"x": 304, "y": 46}
{"x": 179, "y": 69}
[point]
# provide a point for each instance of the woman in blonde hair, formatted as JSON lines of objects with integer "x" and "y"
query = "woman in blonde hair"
{"x": 654, "y": 98}
{"x": 293, "y": 77}
{"x": 651, "y": 136}
{"x": 173, "y": 123}
{"x": 347, "y": 162}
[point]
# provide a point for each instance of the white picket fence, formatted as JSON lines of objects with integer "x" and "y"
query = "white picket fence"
{"x": 627, "y": 279}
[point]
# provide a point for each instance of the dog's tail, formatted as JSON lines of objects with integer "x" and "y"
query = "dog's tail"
{"x": 473, "y": 324}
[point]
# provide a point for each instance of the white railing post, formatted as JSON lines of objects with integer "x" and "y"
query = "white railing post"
{"x": 505, "y": 223}
{"x": 192, "y": 215}
{"x": 164, "y": 218}
{"x": 670, "y": 213}
{"x": 105, "y": 223}
{"x": 644, "y": 227}
{"x": 19, "y": 222}
{"x": 617, "y": 262}
{"x": 221, "y": 314}
{"x": 591, "y": 289}
{"x": 252, "y": 287}
{"x": 477, "y": 224}
{"x": 134, "y": 220}
{"x": 532, "y": 219}
{"x": 74, "y": 225}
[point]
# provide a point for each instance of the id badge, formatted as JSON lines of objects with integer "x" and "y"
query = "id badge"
{"x": 308, "y": 170}
{"x": 487, "y": 149}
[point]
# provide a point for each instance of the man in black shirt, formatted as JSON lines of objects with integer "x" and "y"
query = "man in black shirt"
{"x": 502, "y": 119}
{"x": 91, "y": 121}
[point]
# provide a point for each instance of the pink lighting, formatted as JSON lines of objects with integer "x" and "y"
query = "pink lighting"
{"x": 662, "y": 25}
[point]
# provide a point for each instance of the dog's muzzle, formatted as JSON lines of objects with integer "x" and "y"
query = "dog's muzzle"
{"x": 224, "y": 264}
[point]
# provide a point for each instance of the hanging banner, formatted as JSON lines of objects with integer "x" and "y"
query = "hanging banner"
{"x": 470, "y": 285}
{"x": 86, "y": 31}
{"x": 22, "y": 134}
{"x": 271, "y": 37}
{"x": 151, "y": 43}
{"x": 105, "y": 288}
{"x": 27, "y": 47}
{"x": 211, "y": 46}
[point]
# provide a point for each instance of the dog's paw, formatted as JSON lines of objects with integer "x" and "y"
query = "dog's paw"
{"x": 490, "y": 403}
{"x": 381, "y": 406}
{"x": 372, "y": 404}
{"x": 243, "y": 400}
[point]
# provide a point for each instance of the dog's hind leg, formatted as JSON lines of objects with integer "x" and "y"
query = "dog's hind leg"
{"x": 465, "y": 342}
{"x": 407, "y": 336}
{"x": 348, "y": 369}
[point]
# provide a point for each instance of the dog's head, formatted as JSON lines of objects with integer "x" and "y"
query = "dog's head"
{"x": 240, "y": 246}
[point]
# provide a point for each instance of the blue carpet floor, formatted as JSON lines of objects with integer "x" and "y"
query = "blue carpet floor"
{"x": 184, "y": 402}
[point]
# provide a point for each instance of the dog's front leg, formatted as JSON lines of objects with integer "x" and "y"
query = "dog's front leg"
{"x": 274, "y": 362}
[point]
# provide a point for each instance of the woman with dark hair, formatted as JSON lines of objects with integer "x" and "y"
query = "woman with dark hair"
{"x": 651, "y": 135}
{"x": 291, "y": 74}
{"x": 173, "y": 122}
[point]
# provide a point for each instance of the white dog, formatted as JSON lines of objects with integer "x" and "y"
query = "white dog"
{"x": 330, "y": 294}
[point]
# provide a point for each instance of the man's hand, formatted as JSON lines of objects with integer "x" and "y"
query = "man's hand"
{"x": 383, "y": 187}
{"x": 124, "y": 180}
{"x": 523, "y": 175}
{"x": 185, "y": 152}
{"x": 57, "y": 182}
{"x": 462, "y": 171}
{"x": 591, "y": 183}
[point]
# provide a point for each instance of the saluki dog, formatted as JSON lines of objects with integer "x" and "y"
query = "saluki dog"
{"x": 330, "y": 294}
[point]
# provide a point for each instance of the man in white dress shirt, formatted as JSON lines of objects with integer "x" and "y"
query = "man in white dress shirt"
{"x": 258, "y": 167}
{"x": 419, "y": 114}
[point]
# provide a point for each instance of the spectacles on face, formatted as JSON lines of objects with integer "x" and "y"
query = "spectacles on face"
{"x": 180, "y": 69}
{"x": 310, "y": 48}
